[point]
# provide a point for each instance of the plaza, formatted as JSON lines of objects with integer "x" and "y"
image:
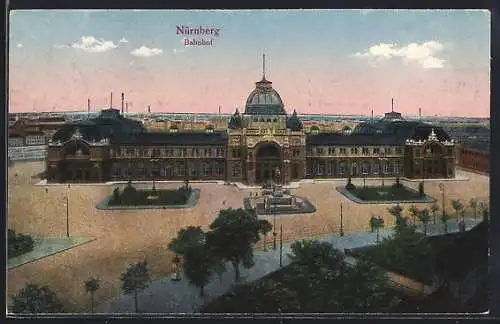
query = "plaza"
{"x": 123, "y": 237}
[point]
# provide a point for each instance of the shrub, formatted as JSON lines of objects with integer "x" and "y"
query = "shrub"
{"x": 397, "y": 184}
{"x": 18, "y": 244}
{"x": 349, "y": 185}
{"x": 421, "y": 191}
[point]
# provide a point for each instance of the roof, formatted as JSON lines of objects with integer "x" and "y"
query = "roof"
{"x": 477, "y": 146}
{"x": 403, "y": 129}
{"x": 468, "y": 250}
{"x": 108, "y": 124}
{"x": 264, "y": 100}
{"x": 353, "y": 139}
{"x": 173, "y": 138}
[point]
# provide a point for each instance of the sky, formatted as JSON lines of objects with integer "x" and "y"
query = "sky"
{"x": 320, "y": 61}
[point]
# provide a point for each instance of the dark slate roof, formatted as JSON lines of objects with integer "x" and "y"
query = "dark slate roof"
{"x": 236, "y": 121}
{"x": 294, "y": 123}
{"x": 173, "y": 138}
{"x": 401, "y": 128}
{"x": 353, "y": 139}
{"x": 467, "y": 251}
{"x": 477, "y": 146}
{"x": 108, "y": 124}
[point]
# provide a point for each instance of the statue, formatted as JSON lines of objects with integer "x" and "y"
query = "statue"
{"x": 277, "y": 175}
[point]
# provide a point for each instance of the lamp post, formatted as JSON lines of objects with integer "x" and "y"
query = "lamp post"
{"x": 67, "y": 212}
{"x": 441, "y": 188}
{"x": 285, "y": 173}
{"x": 382, "y": 158}
{"x": 364, "y": 179}
{"x": 153, "y": 160}
{"x": 274, "y": 226}
{"x": 281, "y": 245}
{"x": 341, "y": 222}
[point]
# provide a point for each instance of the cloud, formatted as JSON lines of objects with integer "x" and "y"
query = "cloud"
{"x": 423, "y": 54}
{"x": 123, "y": 40}
{"x": 19, "y": 45}
{"x": 90, "y": 44}
{"x": 144, "y": 51}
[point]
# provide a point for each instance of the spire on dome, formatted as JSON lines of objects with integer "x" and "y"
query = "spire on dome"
{"x": 263, "y": 66}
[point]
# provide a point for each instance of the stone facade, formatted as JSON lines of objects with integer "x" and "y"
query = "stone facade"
{"x": 264, "y": 143}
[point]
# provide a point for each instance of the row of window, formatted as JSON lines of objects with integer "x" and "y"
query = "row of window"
{"x": 168, "y": 152}
{"x": 28, "y": 140}
{"x": 331, "y": 150}
{"x": 179, "y": 169}
{"x": 341, "y": 168}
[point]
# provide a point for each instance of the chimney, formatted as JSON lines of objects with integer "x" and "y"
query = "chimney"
{"x": 372, "y": 116}
{"x": 419, "y": 113}
{"x": 126, "y": 107}
{"x": 88, "y": 105}
{"x": 392, "y": 104}
{"x": 149, "y": 109}
{"x": 219, "y": 109}
{"x": 111, "y": 101}
{"x": 123, "y": 98}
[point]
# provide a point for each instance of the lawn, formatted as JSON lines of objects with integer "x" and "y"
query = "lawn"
{"x": 388, "y": 194}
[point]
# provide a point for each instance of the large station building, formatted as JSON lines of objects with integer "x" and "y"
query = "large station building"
{"x": 260, "y": 144}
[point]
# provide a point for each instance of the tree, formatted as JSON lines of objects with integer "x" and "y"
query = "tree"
{"x": 401, "y": 222}
{"x": 136, "y": 278}
{"x": 185, "y": 237}
{"x": 232, "y": 236}
{"x": 376, "y": 222}
{"x": 444, "y": 218}
{"x": 434, "y": 210}
{"x": 413, "y": 210}
{"x": 457, "y": 205}
{"x": 91, "y": 286}
{"x": 473, "y": 205}
{"x": 199, "y": 265}
{"x": 424, "y": 217}
{"x": 35, "y": 299}
{"x": 421, "y": 191}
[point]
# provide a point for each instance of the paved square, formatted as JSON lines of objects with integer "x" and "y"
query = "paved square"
{"x": 124, "y": 237}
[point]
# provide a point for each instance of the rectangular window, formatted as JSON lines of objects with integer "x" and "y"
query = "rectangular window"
{"x": 194, "y": 171}
{"x": 376, "y": 150}
{"x": 388, "y": 150}
{"x": 207, "y": 169}
{"x": 354, "y": 150}
{"x": 399, "y": 150}
{"x": 219, "y": 170}
{"x": 342, "y": 168}
{"x": 319, "y": 151}
{"x": 331, "y": 150}
{"x": 236, "y": 171}
{"x": 376, "y": 168}
{"x": 343, "y": 150}
{"x": 364, "y": 151}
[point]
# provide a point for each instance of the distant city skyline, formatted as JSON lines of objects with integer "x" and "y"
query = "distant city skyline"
{"x": 320, "y": 61}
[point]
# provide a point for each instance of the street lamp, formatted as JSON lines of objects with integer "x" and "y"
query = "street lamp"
{"x": 441, "y": 188}
{"x": 153, "y": 160}
{"x": 281, "y": 245}
{"x": 341, "y": 222}
{"x": 274, "y": 226}
{"x": 382, "y": 172}
{"x": 67, "y": 213}
{"x": 287, "y": 162}
{"x": 364, "y": 179}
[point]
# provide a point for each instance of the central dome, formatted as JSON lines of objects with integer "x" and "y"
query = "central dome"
{"x": 264, "y": 100}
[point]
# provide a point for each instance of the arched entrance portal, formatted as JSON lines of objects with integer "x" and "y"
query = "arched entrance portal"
{"x": 267, "y": 161}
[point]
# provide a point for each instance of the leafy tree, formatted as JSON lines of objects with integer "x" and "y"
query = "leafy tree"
{"x": 375, "y": 224}
{"x": 35, "y": 299}
{"x": 413, "y": 210}
{"x": 421, "y": 191}
{"x": 457, "y": 205}
{"x": 136, "y": 278}
{"x": 434, "y": 210}
{"x": 185, "y": 237}
{"x": 424, "y": 217}
{"x": 396, "y": 211}
{"x": 232, "y": 236}
{"x": 350, "y": 185}
{"x": 91, "y": 286}
{"x": 473, "y": 205}
{"x": 444, "y": 218}
{"x": 199, "y": 265}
